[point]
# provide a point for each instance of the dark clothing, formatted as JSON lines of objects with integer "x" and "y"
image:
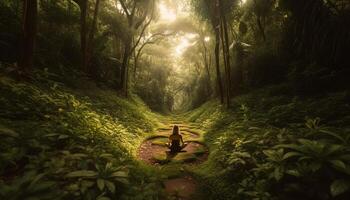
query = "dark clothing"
{"x": 175, "y": 146}
{"x": 176, "y": 140}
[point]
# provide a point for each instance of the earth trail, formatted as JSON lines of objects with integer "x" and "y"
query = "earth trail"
{"x": 154, "y": 151}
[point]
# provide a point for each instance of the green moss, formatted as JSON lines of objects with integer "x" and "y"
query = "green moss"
{"x": 184, "y": 158}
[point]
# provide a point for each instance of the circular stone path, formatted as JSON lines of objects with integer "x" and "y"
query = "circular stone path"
{"x": 154, "y": 151}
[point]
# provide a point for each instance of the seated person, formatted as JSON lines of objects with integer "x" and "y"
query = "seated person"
{"x": 176, "y": 144}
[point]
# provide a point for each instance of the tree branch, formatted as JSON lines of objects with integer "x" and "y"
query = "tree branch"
{"x": 122, "y": 3}
{"x": 143, "y": 31}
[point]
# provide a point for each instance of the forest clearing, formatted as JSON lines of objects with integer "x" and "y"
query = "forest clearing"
{"x": 174, "y": 100}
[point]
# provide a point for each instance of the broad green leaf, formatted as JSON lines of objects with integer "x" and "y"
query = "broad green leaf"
{"x": 106, "y": 155}
{"x": 87, "y": 184}
{"x": 339, "y": 187}
{"x": 278, "y": 173}
{"x": 36, "y": 179}
{"x": 315, "y": 166}
{"x": 333, "y": 135}
{"x": 73, "y": 187}
{"x": 291, "y": 154}
{"x": 78, "y": 155}
{"x": 81, "y": 173}
{"x": 51, "y": 135}
{"x": 110, "y": 185}
{"x": 121, "y": 174}
{"x": 293, "y": 173}
{"x": 100, "y": 184}
{"x": 338, "y": 163}
{"x": 8, "y": 132}
{"x": 62, "y": 137}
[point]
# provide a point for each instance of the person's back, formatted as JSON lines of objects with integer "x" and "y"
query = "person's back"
{"x": 175, "y": 140}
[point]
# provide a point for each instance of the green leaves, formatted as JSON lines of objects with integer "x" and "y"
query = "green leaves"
{"x": 7, "y": 132}
{"x": 30, "y": 186}
{"x": 313, "y": 124}
{"x": 100, "y": 184}
{"x": 105, "y": 178}
{"x": 82, "y": 173}
{"x": 119, "y": 174}
{"x": 110, "y": 185}
{"x": 338, "y": 163}
{"x": 339, "y": 186}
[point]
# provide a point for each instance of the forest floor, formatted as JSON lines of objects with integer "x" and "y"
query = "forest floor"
{"x": 180, "y": 184}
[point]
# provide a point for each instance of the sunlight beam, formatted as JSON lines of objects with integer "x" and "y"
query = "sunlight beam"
{"x": 166, "y": 14}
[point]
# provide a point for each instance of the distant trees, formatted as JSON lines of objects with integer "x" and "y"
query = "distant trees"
{"x": 252, "y": 43}
{"x": 320, "y": 29}
{"x": 216, "y": 12}
{"x": 139, "y": 15}
{"x": 87, "y": 34}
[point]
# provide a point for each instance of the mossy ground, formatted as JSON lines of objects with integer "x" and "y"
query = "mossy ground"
{"x": 64, "y": 142}
{"x": 73, "y": 139}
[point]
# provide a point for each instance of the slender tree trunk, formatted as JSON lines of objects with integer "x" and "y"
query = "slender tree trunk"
{"x": 227, "y": 94}
{"x": 216, "y": 26}
{"x": 217, "y": 64}
{"x": 124, "y": 68}
{"x": 261, "y": 28}
{"x": 228, "y": 60}
{"x": 89, "y": 45}
{"x": 136, "y": 62}
{"x": 83, "y": 31}
{"x": 226, "y": 52}
{"x": 206, "y": 60}
{"x": 258, "y": 21}
{"x": 30, "y": 12}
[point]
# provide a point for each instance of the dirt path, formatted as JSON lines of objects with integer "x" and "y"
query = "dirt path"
{"x": 154, "y": 151}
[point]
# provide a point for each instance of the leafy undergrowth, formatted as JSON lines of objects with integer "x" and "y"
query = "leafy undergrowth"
{"x": 63, "y": 143}
{"x": 272, "y": 146}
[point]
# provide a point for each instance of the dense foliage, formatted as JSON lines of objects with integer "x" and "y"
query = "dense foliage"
{"x": 273, "y": 147}
{"x": 59, "y": 143}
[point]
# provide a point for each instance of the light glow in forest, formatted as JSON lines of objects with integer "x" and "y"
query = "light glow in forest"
{"x": 184, "y": 43}
{"x": 166, "y": 14}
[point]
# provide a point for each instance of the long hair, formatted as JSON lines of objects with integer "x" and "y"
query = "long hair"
{"x": 176, "y": 130}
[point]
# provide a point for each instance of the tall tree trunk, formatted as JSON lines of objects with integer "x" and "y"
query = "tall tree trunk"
{"x": 227, "y": 94}
{"x": 228, "y": 60}
{"x": 217, "y": 64}
{"x": 261, "y": 28}
{"x": 89, "y": 45}
{"x": 216, "y": 26}
{"x": 206, "y": 60}
{"x": 124, "y": 68}
{"x": 226, "y": 52}
{"x": 259, "y": 23}
{"x": 30, "y": 12}
{"x": 83, "y": 31}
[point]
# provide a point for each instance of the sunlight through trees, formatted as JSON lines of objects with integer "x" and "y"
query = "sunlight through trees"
{"x": 91, "y": 91}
